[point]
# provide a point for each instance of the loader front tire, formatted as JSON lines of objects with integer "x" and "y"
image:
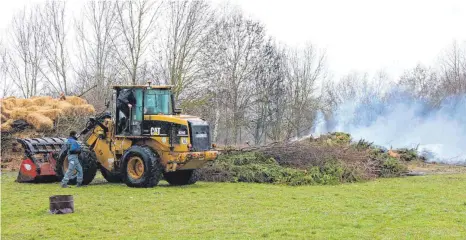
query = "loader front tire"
{"x": 182, "y": 177}
{"x": 88, "y": 161}
{"x": 141, "y": 167}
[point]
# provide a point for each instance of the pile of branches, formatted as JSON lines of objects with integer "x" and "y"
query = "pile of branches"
{"x": 329, "y": 159}
{"x": 304, "y": 154}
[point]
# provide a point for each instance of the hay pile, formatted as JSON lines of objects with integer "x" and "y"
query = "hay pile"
{"x": 6, "y": 126}
{"x": 11, "y": 152}
{"x": 41, "y": 112}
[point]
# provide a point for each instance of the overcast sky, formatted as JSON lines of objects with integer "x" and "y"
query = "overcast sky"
{"x": 358, "y": 35}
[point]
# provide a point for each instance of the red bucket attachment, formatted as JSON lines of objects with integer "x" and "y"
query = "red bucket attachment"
{"x": 27, "y": 171}
{"x": 39, "y": 165}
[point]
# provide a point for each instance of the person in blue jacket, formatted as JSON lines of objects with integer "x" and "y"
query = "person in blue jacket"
{"x": 74, "y": 149}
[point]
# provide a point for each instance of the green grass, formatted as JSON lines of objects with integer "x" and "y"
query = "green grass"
{"x": 426, "y": 207}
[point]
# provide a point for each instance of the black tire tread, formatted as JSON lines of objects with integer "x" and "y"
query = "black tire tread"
{"x": 110, "y": 176}
{"x": 154, "y": 174}
{"x": 182, "y": 177}
{"x": 89, "y": 165}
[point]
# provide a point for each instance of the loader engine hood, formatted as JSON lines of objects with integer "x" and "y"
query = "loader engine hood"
{"x": 199, "y": 134}
{"x": 181, "y": 126}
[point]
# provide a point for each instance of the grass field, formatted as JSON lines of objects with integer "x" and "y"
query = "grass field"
{"x": 425, "y": 207}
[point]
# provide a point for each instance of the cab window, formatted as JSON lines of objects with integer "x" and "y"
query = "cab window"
{"x": 157, "y": 101}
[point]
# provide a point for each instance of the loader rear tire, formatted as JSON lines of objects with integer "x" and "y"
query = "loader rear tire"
{"x": 110, "y": 176}
{"x": 182, "y": 177}
{"x": 141, "y": 167}
{"x": 88, "y": 161}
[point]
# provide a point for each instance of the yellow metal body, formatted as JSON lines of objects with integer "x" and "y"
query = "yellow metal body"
{"x": 109, "y": 148}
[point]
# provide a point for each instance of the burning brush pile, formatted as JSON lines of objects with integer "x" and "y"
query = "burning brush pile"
{"x": 329, "y": 159}
{"x": 38, "y": 117}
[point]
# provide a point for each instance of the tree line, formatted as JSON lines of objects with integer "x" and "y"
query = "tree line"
{"x": 223, "y": 65}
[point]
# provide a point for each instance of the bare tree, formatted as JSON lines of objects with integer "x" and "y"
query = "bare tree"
{"x": 55, "y": 48}
{"x": 185, "y": 26}
{"x": 420, "y": 81}
{"x": 305, "y": 67}
{"x": 352, "y": 87}
{"x": 6, "y": 86}
{"x": 26, "y": 58}
{"x": 135, "y": 24}
{"x": 230, "y": 58}
{"x": 453, "y": 70}
{"x": 96, "y": 30}
{"x": 268, "y": 100}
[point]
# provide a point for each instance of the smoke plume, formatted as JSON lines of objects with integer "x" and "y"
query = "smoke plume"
{"x": 401, "y": 121}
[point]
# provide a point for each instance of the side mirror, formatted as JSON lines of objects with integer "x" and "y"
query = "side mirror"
{"x": 178, "y": 110}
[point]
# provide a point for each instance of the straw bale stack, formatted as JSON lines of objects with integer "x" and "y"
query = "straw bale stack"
{"x": 64, "y": 106}
{"x": 5, "y": 112}
{"x": 19, "y": 113}
{"x": 76, "y": 100}
{"x": 40, "y": 122}
{"x": 84, "y": 109}
{"x": 6, "y": 126}
{"x": 21, "y": 102}
{"x": 32, "y": 108}
{"x": 9, "y": 103}
{"x": 55, "y": 104}
{"x": 41, "y": 100}
{"x": 42, "y": 111}
{"x": 51, "y": 113}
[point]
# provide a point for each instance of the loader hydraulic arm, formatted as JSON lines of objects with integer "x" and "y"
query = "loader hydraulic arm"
{"x": 94, "y": 122}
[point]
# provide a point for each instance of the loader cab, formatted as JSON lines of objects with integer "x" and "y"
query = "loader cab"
{"x": 133, "y": 102}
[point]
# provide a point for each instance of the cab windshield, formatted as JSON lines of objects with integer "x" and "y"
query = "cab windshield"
{"x": 157, "y": 101}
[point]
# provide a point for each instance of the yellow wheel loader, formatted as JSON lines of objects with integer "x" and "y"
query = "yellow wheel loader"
{"x": 144, "y": 139}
